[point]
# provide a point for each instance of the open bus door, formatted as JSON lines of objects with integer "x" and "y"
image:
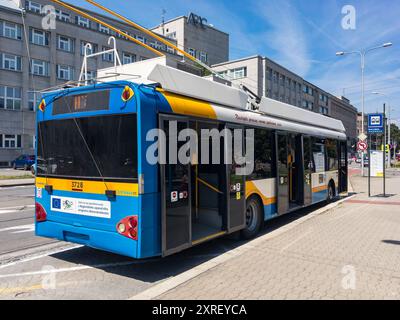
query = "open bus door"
{"x": 342, "y": 147}
{"x": 175, "y": 190}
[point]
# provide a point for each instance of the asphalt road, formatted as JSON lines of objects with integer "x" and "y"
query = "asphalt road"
{"x": 17, "y": 222}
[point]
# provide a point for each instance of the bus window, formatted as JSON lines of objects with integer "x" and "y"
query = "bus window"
{"x": 264, "y": 158}
{"x": 91, "y": 147}
{"x": 318, "y": 151}
{"x": 332, "y": 154}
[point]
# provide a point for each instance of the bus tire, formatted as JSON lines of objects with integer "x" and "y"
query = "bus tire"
{"x": 254, "y": 218}
{"x": 331, "y": 192}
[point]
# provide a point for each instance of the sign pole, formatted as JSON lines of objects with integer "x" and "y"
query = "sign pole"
{"x": 369, "y": 165}
{"x": 384, "y": 149}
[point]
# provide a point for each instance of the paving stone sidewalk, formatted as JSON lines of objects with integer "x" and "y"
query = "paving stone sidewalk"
{"x": 349, "y": 252}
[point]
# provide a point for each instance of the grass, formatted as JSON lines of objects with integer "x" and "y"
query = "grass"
{"x": 25, "y": 176}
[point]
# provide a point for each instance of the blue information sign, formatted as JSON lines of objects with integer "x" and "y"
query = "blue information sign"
{"x": 375, "y": 123}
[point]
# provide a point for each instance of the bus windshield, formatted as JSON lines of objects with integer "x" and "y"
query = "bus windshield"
{"x": 90, "y": 147}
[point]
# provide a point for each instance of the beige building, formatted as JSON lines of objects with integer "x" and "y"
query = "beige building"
{"x": 197, "y": 37}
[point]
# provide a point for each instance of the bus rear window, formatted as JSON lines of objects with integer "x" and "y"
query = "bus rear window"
{"x": 90, "y": 147}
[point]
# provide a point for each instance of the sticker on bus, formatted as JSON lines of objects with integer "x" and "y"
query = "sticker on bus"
{"x": 83, "y": 207}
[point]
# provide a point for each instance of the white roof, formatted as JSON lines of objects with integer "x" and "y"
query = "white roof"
{"x": 163, "y": 71}
{"x": 288, "y": 112}
{"x": 11, "y": 4}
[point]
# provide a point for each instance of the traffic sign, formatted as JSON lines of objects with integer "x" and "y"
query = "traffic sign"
{"x": 362, "y": 146}
{"x": 362, "y": 137}
{"x": 375, "y": 123}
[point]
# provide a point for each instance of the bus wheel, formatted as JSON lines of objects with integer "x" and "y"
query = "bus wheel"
{"x": 253, "y": 219}
{"x": 331, "y": 192}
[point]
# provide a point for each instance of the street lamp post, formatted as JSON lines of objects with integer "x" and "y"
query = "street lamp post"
{"x": 362, "y": 54}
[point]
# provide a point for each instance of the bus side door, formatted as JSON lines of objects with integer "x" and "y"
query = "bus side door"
{"x": 176, "y": 206}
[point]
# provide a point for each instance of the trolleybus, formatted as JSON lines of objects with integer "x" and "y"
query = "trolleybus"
{"x": 96, "y": 187}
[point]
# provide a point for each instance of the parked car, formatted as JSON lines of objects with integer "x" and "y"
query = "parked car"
{"x": 33, "y": 169}
{"x": 25, "y": 161}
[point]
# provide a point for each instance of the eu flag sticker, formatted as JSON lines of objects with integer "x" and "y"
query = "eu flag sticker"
{"x": 56, "y": 203}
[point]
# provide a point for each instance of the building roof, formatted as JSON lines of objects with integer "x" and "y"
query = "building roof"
{"x": 14, "y": 5}
{"x": 185, "y": 17}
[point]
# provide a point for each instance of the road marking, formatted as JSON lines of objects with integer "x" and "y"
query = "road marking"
{"x": 15, "y": 209}
{"x": 173, "y": 282}
{"x": 20, "y": 229}
{"x": 4, "y": 291}
{"x": 49, "y": 253}
{"x": 71, "y": 269}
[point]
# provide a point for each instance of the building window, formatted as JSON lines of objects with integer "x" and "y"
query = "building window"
{"x": 104, "y": 29}
{"x": 109, "y": 57}
{"x": 91, "y": 75}
{"x": 33, "y": 6}
{"x": 91, "y": 50}
{"x": 323, "y": 110}
{"x": 308, "y": 90}
{"x": 192, "y": 52}
{"x": 308, "y": 105}
{"x": 83, "y": 22}
{"x": 323, "y": 98}
{"x": 33, "y": 100}
{"x": 40, "y": 67}
{"x": 10, "y": 98}
{"x": 156, "y": 45}
{"x": 203, "y": 57}
{"x": 10, "y": 62}
{"x": 10, "y": 141}
{"x": 39, "y": 37}
{"x": 65, "y": 72}
{"x": 65, "y": 43}
{"x": 128, "y": 58}
{"x": 63, "y": 16}
{"x": 141, "y": 39}
{"x": 239, "y": 73}
{"x": 10, "y": 30}
{"x": 269, "y": 74}
{"x": 171, "y": 35}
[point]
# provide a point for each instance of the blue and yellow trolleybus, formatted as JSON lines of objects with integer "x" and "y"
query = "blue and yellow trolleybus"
{"x": 96, "y": 186}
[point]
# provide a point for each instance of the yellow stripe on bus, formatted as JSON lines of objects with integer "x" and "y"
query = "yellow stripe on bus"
{"x": 320, "y": 188}
{"x": 85, "y": 186}
{"x": 251, "y": 189}
{"x": 188, "y": 106}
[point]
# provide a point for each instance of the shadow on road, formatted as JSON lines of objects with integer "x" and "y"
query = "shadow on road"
{"x": 157, "y": 269}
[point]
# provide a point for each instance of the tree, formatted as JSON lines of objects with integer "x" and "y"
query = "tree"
{"x": 395, "y": 135}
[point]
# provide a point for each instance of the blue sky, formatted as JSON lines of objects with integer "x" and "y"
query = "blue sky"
{"x": 302, "y": 35}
